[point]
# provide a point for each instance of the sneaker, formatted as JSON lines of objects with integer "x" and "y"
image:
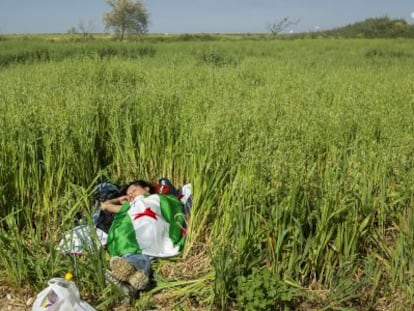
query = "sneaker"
{"x": 124, "y": 271}
{"x": 125, "y": 288}
{"x": 121, "y": 269}
{"x": 138, "y": 280}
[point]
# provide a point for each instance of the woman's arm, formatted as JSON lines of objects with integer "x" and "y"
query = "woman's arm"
{"x": 113, "y": 205}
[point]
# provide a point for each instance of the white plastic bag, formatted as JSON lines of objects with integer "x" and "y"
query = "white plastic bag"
{"x": 60, "y": 295}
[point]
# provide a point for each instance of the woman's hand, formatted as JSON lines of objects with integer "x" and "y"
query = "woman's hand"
{"x": 113, "y": 205}
{"x": 104, "y": 205}
{"x": 123, "y": 199}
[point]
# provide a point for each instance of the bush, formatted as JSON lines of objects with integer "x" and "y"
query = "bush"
{"x": 261, "y": 290}
{"x": 375, "y": 53}
{"x": 216, "y": 58}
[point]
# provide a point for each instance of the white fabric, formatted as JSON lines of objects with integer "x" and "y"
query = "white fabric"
{"x": 186, "y": 192}
{"x": 80, "y": 239}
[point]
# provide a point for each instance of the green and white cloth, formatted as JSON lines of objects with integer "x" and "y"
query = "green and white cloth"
{"x": 150, "y": 225}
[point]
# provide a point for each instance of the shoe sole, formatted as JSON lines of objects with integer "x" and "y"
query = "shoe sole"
{"x": 138, "y": 280}
{"x": 121, "y": 269}
{"x": 126, "y": 289}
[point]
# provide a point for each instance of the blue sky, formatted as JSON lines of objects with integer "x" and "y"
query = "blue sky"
{"x": 196, "y": 16}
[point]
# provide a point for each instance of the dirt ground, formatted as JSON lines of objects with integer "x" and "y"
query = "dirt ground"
{"x": 10, "y": 302}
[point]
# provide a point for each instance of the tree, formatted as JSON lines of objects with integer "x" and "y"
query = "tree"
{"x": 86, "y": 28}
{"x": 281, "y": 25}
{"x": 126, "y": 16}
{"x": 72, "y": 31}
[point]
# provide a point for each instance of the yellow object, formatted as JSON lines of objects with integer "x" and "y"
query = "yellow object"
{"x": 68, "y": 276}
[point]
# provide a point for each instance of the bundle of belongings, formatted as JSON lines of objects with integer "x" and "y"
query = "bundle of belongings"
{"x": 62, "y": 294}
{"x": 84, "y": 238}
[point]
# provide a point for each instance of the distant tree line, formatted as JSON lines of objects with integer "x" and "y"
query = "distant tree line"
{"x": 382, "y": 27}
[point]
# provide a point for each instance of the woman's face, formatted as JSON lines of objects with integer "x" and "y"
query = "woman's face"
{"x": 134, "y": 190}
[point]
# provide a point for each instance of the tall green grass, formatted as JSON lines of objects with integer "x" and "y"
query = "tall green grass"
{"x": 299, "y": 152}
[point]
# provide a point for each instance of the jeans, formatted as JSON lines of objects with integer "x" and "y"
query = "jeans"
{"x": 140, "y": 262}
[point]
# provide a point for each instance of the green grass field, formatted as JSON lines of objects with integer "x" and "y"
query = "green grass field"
{"x": 300, "y": 154}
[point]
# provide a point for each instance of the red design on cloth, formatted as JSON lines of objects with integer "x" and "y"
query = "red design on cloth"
{"x": 148, "y": 212}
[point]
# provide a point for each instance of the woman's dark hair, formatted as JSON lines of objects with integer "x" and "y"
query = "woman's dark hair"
{"x": 143, "y": 184}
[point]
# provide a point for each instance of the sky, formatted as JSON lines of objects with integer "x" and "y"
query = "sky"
{"x": 200, "y": 16}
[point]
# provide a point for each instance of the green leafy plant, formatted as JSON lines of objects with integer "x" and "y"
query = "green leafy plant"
{"x": 261, "y": 290}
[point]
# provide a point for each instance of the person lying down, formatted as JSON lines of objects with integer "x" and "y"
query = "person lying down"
{"x": 146, "y": 225}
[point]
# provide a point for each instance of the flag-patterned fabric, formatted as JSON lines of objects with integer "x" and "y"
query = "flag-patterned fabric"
{"x": 150, "y": 225}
